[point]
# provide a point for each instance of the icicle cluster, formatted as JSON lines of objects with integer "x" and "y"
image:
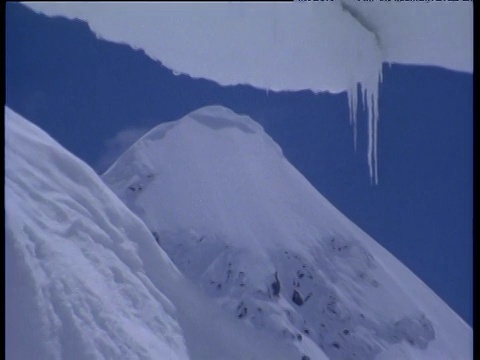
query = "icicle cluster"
{"x": 368, "y": 88}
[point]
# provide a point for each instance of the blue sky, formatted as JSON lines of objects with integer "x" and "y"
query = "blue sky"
{"x": 96, "y": 97}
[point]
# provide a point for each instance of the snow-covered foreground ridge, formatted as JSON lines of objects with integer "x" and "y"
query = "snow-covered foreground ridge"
{"x": 85, "y": 278}
{"x": 241, "y": 222}
{"x": 77, "y": 284}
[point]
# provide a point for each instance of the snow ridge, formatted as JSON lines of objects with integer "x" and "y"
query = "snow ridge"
{"x": 71, "y": 264}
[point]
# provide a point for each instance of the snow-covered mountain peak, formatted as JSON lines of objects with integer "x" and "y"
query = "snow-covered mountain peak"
{"x": 215, "y": 117}
{"x": 85, "y": 278}
{"x": 228, "y": 173}
{"x": 239, "y": 220}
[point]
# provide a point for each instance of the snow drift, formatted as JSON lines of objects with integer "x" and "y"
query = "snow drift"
{"x": 241, "y": 222}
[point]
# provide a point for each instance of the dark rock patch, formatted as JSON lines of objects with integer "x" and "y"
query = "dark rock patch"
{"x": 276, "y": 285}
{"x": 297, "y": 298}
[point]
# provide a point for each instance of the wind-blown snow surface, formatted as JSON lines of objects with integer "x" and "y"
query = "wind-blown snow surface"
{"x": 249, "y": 229}
{"x": 85, "y": 278}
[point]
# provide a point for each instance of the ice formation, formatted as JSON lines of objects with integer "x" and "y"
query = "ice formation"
{"x": 320, "y": 46}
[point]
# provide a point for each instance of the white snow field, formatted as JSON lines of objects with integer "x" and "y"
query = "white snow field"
{"x": 321, "y": 46}
{"x": 245, "y": 226}
{"x": 85, "y": 278}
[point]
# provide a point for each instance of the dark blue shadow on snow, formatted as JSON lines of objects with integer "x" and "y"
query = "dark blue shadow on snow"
{"x": 83, "y": 91}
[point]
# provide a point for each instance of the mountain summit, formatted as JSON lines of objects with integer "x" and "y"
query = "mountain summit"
{"x": 245, "y": 226}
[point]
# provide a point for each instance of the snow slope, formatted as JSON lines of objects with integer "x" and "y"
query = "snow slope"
{"x": 76, "y": 287}
{"x": 242, "y": 223}
{"x": 85, "y": 278}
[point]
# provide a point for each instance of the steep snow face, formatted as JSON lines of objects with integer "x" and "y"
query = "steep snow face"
{"x": 76, "y": 258}
{"x": 248, "y": 228}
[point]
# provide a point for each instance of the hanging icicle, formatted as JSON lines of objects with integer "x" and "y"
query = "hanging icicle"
{"x": 369, "y": 90}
